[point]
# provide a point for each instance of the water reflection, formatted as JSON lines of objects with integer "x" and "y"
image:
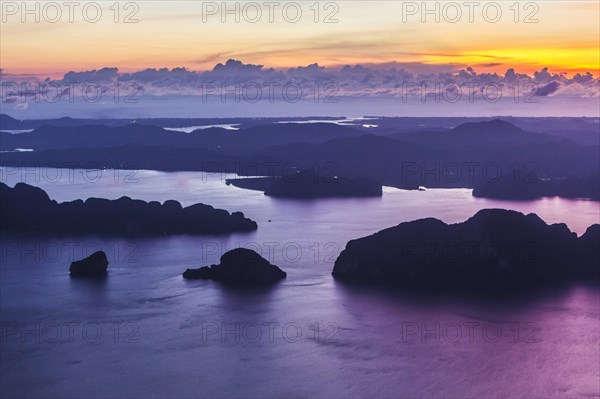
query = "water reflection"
{"x": 352, "y": 342}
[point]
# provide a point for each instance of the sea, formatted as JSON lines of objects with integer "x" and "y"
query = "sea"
{"x": 144, "y": 331}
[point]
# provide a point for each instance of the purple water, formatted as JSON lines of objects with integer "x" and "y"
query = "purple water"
{"x": 145, "y": 332}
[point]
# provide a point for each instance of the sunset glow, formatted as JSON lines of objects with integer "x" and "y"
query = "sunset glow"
{"x": 565, "y": 38}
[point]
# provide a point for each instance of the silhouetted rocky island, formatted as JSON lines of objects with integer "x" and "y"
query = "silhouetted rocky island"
{"x": 239, "y": 266}
{"x": 308, "y": 184}
{"x": 28, "y": 209}
{"x": 521, "y": 186}
{"x": 493, "y": 250}
{"x": 94, "y": 266}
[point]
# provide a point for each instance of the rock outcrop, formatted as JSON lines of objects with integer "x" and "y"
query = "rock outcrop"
{"x": 495, "y": 249}
{"x": 28, "y": 209}
{"x": 240, "y": 266}
{"x": 94, "y": 265}
{"x": 308, "y": 184}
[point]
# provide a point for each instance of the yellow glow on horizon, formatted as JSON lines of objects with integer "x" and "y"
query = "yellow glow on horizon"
{"x": 573, "y": 60}
{"x": 566, "y": 39}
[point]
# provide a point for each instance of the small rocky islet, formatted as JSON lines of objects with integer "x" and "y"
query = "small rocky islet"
{"x": 239, "y": 266}
{"x": 95, "y": 266}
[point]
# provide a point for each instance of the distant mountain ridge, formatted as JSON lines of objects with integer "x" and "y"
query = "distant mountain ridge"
{"x": 216, "y": 139}
{"x": 495, "y": 126}
{"x": 466, "y": 156}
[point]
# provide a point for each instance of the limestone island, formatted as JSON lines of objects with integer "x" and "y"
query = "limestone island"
{"x": 493, "y": 250}
{"x": 28, "y": 209}
{"x": 239, "y": 266}
{"x": 309, "y": 185}
{"x": 94, "y": 266}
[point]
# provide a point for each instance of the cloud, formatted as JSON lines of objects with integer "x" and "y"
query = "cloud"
{"x": 548, "y": 89}
{"x": 369, "y": 80}
{"x": 96, "y": 76}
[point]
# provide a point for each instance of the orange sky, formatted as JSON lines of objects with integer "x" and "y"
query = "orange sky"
{"x": 565, "y": 37}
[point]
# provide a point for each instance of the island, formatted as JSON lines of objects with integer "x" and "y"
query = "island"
{"x": 493, "y": 250}
{"x": 239, "y": 266}
{"x": 94, "y": 266}
{"x": 28, "y": 209}
{"x": 405, "y": 153}
{"x": 308, "y": 184}
{"x": 522, "y": 186}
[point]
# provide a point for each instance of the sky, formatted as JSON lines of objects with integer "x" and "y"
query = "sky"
{"x": 488, "y": 36}
{"x": 543, "y": 57}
